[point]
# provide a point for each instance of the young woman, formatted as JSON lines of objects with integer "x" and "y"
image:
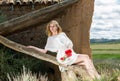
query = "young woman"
{"x": 59, "y": 42}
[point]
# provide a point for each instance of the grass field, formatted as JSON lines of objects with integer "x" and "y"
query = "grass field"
{"x": 106, "y": 51}
{"x": 106, "y": 54}
{"x": 106, "y": 58}
{"x": 105, "y": 48}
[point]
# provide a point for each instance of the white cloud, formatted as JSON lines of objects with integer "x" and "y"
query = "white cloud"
{"x": 106, "y": 19}
{"x": 105, "y": 2}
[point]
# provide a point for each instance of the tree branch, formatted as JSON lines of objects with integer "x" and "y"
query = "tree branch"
{"x": 28, "y": 51}
{"x": 23, "y": 49}
{"x": 39, "y": 16}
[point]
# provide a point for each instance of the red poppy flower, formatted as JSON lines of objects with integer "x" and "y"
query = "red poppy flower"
{"x": 68, "y": 53}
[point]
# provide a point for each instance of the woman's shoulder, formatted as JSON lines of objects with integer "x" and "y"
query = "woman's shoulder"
{"x": 62, "y": 33}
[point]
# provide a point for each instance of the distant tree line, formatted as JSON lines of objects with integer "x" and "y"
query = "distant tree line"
{"x": 102, "y": 40}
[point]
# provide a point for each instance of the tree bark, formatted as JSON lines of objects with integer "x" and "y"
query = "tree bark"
{"x": 36, "y": 17}
{"x": 77, "y": 22}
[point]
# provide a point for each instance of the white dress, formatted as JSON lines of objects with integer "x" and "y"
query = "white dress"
{"x": 59, "y": 43}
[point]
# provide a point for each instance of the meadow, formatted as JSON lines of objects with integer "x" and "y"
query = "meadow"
{"x": 105, "y": 48}
{"x": 106, "y": 58}
{"x": 106, "y": 52}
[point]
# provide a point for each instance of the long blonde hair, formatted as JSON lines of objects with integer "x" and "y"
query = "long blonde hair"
{"x": 55, "y": 23}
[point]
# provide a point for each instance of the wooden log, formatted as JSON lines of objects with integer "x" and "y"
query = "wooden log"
{"x": 73, "y": 72}
{"x": 28, "y": 51}
{"x": 36, "y": 17}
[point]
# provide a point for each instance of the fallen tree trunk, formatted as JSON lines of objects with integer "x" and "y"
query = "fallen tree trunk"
{"x": 73, "y": 72}
{"x": 36, "y": 17}
{"x": 28, "y": 51}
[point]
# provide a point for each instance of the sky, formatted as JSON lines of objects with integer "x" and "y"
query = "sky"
{"x": 106, "y": 20}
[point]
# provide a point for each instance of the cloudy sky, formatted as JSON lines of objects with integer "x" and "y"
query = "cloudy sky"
{"x": 106, "y": 19}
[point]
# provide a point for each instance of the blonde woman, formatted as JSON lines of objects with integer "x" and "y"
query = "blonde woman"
{"x": 59, "y": 43}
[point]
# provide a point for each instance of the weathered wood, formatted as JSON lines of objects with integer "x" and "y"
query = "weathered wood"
{"x": 23, "y": 49}
{"x": 70, "y": 75}
{"x": 28, "y": 51}
{"x": 36, "y": 17}
{"x": 75, "y": 73}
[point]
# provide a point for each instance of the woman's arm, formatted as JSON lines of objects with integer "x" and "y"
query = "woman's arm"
{"x": 43, "y": 50}
{"x": 66, "y": 41}
{"x": 38, "y": 49}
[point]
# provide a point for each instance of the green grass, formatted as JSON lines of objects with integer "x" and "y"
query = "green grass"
{"x": 105, "y": 48}
{"x": 106, "y": 53}
{"x": 106, "y": 58}
{"x": 111, "y": 61}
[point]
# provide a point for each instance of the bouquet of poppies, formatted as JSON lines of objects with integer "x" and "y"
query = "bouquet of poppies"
{"x": 68, "y": 53}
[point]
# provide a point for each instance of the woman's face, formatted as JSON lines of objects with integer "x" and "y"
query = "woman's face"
{"x": 53, "y": 28}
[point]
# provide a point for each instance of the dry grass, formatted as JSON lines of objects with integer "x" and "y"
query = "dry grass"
{"x": 27, "y": 75}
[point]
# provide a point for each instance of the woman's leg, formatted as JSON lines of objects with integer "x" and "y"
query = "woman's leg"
{"x": 84, "y": 59}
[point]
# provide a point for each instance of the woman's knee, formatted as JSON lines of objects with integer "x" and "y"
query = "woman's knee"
{"x": 83, "y": 56}
{"x": 86, "y": 56}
